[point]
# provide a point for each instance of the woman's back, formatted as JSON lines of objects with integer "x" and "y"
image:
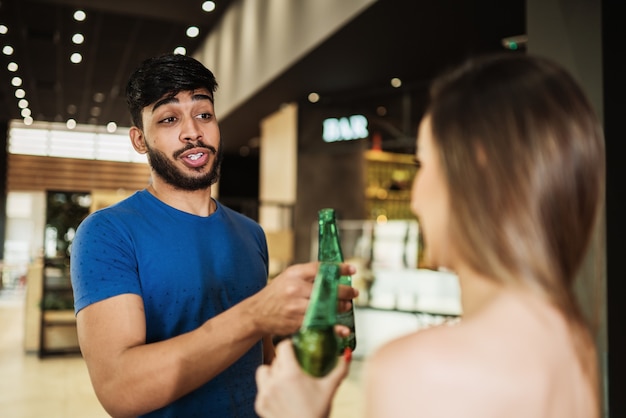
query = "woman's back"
{"x": 513, "y": 358}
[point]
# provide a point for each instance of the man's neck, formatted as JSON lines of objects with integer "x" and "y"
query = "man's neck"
{"x": 197, "y": 202}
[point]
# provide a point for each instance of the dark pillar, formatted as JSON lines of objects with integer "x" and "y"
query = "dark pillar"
{"x": 4, "y": 135}
{"x": 614, "y": 68}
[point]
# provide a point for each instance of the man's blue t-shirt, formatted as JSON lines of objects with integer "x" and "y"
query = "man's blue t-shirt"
{"x": 187, "y": 269}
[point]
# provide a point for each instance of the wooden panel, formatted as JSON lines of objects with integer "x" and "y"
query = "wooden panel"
{"x": 28, "y": 172}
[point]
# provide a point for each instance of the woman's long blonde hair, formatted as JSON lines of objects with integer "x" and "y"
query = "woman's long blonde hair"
{"x": 523, "y": 152}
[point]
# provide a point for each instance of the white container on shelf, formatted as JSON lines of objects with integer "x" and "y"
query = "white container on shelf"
{"x": 419, "y": 290}
{"x": 403, "y": 301}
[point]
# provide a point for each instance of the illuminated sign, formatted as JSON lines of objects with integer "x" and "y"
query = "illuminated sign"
{"x": 345, "y": 129}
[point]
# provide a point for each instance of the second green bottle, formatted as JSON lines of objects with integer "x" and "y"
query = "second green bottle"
{"x": 315, "y": 343}
{"x": 329, "y": 249}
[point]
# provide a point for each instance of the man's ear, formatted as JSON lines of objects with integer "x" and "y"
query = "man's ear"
{"x": 138, "y": 140}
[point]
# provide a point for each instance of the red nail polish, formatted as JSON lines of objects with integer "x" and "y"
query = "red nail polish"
{"x": 347, "y": 354}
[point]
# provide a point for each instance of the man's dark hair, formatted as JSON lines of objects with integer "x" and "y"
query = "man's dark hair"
{"x": 163, "y": 75}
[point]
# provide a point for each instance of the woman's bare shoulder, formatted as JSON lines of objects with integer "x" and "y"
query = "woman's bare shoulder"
{"x": 417, "y": 372}
{"x": 475, "y": 360}
{"x": 428, "y": 350}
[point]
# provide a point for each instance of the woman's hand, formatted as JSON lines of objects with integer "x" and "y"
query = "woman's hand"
{"x": 285, "y": 390}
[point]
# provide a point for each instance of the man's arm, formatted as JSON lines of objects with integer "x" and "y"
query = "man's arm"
{"x": 131, "y": 377}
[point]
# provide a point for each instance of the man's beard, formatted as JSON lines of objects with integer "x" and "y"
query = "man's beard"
{"x": 166, "y": 170}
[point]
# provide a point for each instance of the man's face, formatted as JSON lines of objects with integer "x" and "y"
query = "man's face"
{"x": 182, "y": 140}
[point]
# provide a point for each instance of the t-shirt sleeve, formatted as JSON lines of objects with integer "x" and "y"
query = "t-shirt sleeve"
{"x": 103, "y": 262}
{"x": 262, "y": 240}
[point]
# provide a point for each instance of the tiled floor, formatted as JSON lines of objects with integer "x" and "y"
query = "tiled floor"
{"x": 30, "y": 387}
{"x": 59, "y": 387}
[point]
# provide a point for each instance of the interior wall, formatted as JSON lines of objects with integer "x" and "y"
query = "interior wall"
{"x": 33, "y": 172}
{"x": 256, "y": 40}
{"x": 277, "y": 184}
{"x": 278, "y": 158}
{"x": 330, "y": 175}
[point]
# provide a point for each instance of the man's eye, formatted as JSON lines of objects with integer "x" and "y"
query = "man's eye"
{"x": 205, "y": 115}
{"x": 168, "y": 119}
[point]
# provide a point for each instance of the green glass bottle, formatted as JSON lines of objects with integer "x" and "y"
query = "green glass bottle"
{"x": 329, "y": 249}
{"x": 316, "y": 344}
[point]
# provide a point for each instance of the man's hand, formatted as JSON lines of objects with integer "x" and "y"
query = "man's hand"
{"x": 279, "y": 308}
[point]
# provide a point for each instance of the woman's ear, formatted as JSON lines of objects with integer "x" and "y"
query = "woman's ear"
{"x": 138, "y": 140}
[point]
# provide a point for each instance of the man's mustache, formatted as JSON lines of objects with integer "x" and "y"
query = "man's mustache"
{"x": 198, "y": 144}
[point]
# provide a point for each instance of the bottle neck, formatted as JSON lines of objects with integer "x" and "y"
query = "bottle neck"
{"x": 329, "y": 245}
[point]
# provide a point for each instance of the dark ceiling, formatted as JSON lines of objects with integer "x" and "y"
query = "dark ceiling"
{"x": 409, "y": 39}
{"x": 118, "y": 34}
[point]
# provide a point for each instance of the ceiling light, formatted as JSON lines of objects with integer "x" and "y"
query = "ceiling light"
{"x": 16, "y": 81}
{"x": 79, "y": 15}
{"x": 111, "y": 127}
{"x": 314, "y": 97}
{"x": 71, "y": 124}
{"x": 7, "y": 50}
{"x": 4, "y": 29}
{"x": 396, "y": 82}
{"x": 254, "y": 142}
{"x": 20, "y": 93}
{"x": 78, "y": 38}
{"x": 25, "y": 112}
{"x": 76, "y": 58}
{"x": 208, "y": 6}
{"x": 28, "y": 120}
{"x": 22, "y": 104}
{"x": 192, "y": 31}
{"x": 180, "y": 50}
{"x": 99, "y": 97}
{"x": 12, "y": 66}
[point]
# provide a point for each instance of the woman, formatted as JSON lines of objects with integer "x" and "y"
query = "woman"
{"x": 509, "y": 192}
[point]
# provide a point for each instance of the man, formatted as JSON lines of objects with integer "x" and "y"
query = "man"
{"x": 173, "y": 312}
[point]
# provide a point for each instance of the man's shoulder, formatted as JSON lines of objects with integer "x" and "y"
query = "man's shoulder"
{"x": 131, "y": 202}
{"x": 236, "y": 216}
{"x": 114, "y": 212}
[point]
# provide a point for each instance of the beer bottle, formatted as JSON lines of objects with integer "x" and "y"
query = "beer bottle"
{"x": 316, "y": 344}
{"x": 329, "y": 249}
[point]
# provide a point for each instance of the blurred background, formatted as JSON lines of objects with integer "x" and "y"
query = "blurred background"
{"x": 318, "y": 103}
